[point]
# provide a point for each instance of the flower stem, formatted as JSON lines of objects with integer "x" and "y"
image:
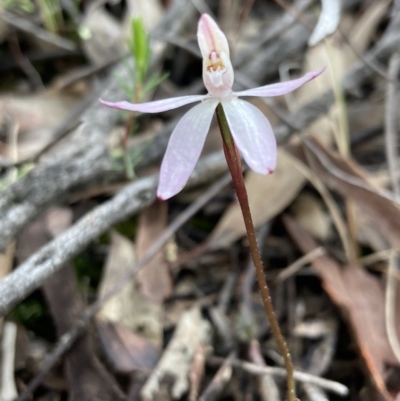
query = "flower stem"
{"x": 235, "y": 167}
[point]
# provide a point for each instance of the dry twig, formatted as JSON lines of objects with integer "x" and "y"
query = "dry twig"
{"x": 328, "y": 385}
{"x": 219, "y": 381}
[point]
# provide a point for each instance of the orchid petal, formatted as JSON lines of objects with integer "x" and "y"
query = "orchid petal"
{"x": 281, "y": 88}
{"x": 252, "y": 134}
{"x": 184, "y": 148}
{"x": 210, "y": 37}
{"x": 157, "y": 106}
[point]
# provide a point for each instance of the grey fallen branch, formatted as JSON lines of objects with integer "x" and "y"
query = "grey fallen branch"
{"x": 32, "y": 273}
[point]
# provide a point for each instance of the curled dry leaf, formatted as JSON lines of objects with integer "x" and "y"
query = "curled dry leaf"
{"x": 309, "y": 211}
{"x": 37, "y": 116}
{"x": 348, "y": 178}
{"x": 129, "y": 307}
{"x": 128, "y": 314}
{"x": 121, "y": 255}
{"x": 125, "y": 350}
{"x": 86, "y": 376}
{"x": 281, "y": 187}
{"x": 101, "y": 34}
{"x": 360, "y": 297}
{"x": 154, "y": 279}
{"x": 150, "y": 11}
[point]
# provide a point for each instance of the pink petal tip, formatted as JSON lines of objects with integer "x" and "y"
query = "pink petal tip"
{"x": 318, "y": 72}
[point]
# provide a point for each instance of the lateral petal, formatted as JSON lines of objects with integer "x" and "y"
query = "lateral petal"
{"x": 281, "y": 88}
{"x": 252, "y": 134}
{"x": 157, "y": 106}
{"x": 184, "y": 148}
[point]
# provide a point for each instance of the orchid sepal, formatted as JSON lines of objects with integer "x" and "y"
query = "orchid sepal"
{"x": 217, "y": 67}
{"x": 157, "y": 106}
{"x": 281, "y": 88}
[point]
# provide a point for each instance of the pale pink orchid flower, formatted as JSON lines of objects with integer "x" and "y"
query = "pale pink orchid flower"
{"x": 250, "y": 129}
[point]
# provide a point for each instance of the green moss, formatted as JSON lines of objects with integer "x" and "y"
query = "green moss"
{"x": 34, "y": 315}
{"x": 127, "y": 228}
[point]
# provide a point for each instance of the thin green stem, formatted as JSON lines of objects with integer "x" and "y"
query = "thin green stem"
{"x": 235, "y": 167}
{"x": 129, "y": 168}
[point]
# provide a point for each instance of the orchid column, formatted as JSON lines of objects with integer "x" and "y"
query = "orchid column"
{"x": 244, "y": 129}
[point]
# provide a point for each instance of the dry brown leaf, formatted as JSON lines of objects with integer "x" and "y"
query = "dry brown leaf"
{"x": 308, "y": 210}
{"x": 125, "y": 350}
{"x": 129, "y": 307}
{"x": 120, "y": 256}
{"x": 349, "y": 179}
{"x": 364, "y": 115}
{"x": 102, "y": 35}
{"x": 36, "y": 116}
{"x": 150, "y": 11}
{"x": 360, "y": 297}
{"x": 86, "y": 376}
{"x": 268, "y": 196}
{"x": 32, "y": 238}
{"x": 360, "y": 34}
{"x": 154, "y": 279}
